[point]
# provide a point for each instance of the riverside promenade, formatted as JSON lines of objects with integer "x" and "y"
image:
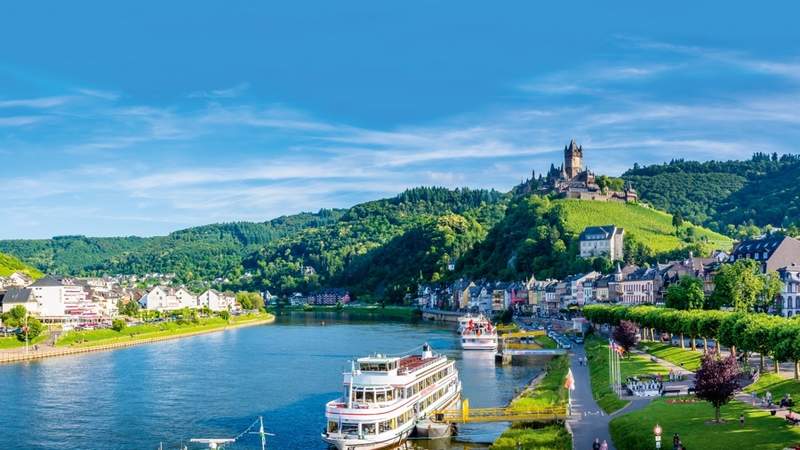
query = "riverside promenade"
{"x": 45, "y": 351}
{"x": 588, "y": 421}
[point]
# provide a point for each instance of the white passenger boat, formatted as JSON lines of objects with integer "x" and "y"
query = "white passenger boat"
{"x": 384, "y": 398}
{"x": 479, "y": 334}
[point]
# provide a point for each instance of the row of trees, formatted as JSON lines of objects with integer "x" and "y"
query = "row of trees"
{"x": 767, "y": 335}
{"x": 740, "y": 286}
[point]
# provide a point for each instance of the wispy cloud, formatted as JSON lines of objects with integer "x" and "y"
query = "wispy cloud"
{"x": 36, "y": 103}
{"x": 230, "y": 92}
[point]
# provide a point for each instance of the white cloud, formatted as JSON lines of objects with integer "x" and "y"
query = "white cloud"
{"x": 36, "y": 103}
{"x": 231, "y": 92}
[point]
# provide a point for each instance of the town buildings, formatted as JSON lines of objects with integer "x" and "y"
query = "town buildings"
{"x": 789, "y": 298}
{"x": 772, "y": 252}
{"x": 329, "y": 297}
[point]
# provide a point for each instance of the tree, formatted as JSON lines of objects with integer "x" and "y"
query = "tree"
{"x": 30, "y": 328}
{"x": 16, "y": 316}
{"x": 130, "y": 308}
{"x": 687, "y": 293}
{"x": 118, "y": 324}
{"x": 772, "y": 287}
{"x": 249, "y": 300}
{"x": 625, "y": 335}
{"x": 715, "y": 381}
{"x": 677, "y": 220}
{"x": 738, "y": 285}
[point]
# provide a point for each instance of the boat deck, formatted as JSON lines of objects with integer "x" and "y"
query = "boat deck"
{"x": 413, "y": 363}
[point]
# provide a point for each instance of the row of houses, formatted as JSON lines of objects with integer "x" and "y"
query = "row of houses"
{"x": 628, "y": 284}
{"x": 81, "y": 300}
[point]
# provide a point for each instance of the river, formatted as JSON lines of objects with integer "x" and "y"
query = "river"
{"x": 215, "y": 385}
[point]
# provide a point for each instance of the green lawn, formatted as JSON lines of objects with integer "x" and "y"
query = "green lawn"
{"x": 551, "y": 437}
{"x": 632, "y": 365}
{"x": 650, "y": 227}
{"x": 546, "y": 342}
{"x": 549, "y": 392}
{"x": 690, "y": 360}
{"x": 634, "y": 431}
{"x": 13, "y": 342}
{"x": 777, "y": 385}
{"x": 90, "y": 338}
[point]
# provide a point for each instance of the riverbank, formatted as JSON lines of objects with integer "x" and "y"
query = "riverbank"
{"x": 101, "y": 340}
{"x": 546, "y": 390}
{"x": 406, "y": 313}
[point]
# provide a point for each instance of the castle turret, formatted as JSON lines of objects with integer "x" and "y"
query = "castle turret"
{"x": 573, "y": 159}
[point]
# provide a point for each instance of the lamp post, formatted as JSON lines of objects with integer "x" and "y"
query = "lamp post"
{"x": 657, "y": 433}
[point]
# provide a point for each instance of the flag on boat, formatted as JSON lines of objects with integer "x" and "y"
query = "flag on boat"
{"x": 569, "y": 383}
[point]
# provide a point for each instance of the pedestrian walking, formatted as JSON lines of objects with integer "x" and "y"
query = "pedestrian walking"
{"x": 741, "y": 419}
{"x": 604, "y": 445}
{"x": 596, "y": 444}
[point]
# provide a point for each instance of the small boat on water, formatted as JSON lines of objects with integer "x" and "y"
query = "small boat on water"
{"x": 385, "y": 397}
{"x": 478, "y": 334}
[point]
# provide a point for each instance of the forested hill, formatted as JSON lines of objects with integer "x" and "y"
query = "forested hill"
{"x": 204, "y": 252}
{"x": 380, "y": 248}
{"x": 302, "y": 251}
{"x": 725, "y": 195}
{"x": 10, "y": 264}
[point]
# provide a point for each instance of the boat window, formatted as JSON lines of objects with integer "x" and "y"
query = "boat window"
{"x": 369, "y": 396}
{"x": 380, "y": 396}
{"x": 368, "y": 428}
{"x": 349, "y": 428}
{"x": 390, "y": 395}
{"x": 359, "y": 395}
{"x": 333, "y": 426}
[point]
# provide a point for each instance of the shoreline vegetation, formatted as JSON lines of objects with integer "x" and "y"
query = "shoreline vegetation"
{"x": 76, "y": 342}
{"x": 546, "y": 390}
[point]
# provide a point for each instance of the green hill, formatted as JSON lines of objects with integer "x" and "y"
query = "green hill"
{"x": 648, "y": 226}
{"x": 10, "y": 264}
{"x": 539, "y": 235}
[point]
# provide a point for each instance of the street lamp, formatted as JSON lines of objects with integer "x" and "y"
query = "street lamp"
{"x": 657, "y": 433}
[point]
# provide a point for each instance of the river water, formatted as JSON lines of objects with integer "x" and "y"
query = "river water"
{"x": 215, "y": 385}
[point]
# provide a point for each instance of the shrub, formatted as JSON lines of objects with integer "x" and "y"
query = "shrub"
{"x": 118, "y": 325}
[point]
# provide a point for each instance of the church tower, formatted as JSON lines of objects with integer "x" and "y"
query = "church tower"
{"x": 573, "y": 159}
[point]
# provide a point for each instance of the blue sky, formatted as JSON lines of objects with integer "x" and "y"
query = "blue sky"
{"x": 154, "y": 116}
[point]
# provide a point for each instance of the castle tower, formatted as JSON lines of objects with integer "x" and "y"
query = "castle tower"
{"x": 573, "y": 159}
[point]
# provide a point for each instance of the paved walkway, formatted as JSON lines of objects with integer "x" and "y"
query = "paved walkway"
{"x": 588, "y": 420}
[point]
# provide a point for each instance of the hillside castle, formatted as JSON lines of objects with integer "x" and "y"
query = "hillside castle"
{"x": 571, "y": 180}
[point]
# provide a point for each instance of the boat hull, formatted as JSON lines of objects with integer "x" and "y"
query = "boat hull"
{"x": 361, "y": 444}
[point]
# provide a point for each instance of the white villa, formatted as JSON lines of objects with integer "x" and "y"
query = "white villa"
{"x": 216, "y": 301}
{"x": 605, "y": 241}
{"x": 162, "y": 298}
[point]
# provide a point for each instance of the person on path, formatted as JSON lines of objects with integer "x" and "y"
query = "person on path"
{"x": 604, "y": 445}
{"x": 676, "y": 442}
{"x": 596, "y": 444}
{"x": 769, "y": 398}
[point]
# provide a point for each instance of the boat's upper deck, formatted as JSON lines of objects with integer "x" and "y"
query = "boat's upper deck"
{"x": 412, "y": 363}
